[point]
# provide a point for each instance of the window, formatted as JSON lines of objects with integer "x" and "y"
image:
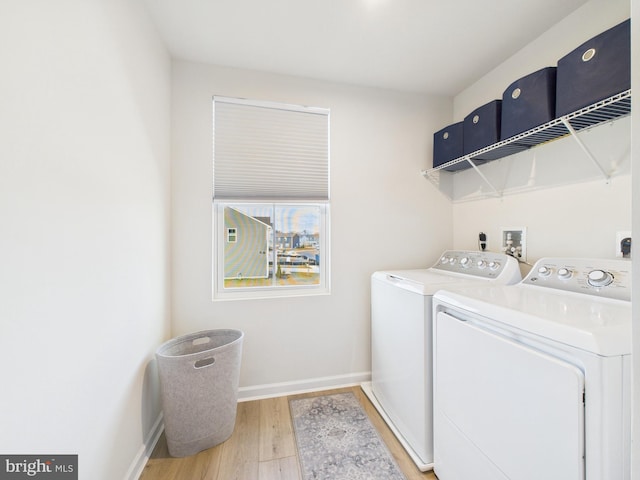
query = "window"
{"x": 271, "y": 199}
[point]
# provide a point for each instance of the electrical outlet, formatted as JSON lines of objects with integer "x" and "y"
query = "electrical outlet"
{"x": 514, "y": 242}
{"x": 623, "y": 250}
{"x": 482, "y": 241}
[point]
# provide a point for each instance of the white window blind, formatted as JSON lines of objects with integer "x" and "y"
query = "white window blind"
{"x": 270, "y": 151}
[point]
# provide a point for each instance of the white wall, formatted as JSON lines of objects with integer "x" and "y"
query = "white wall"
{"x": 561, "y": 218}
{"x": 84, "y": 220}
{"x": 383, "y": 215}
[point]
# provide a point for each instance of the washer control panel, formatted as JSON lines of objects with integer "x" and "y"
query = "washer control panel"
{"x": 479, "y": 264}
{"x": 608, "y": 278}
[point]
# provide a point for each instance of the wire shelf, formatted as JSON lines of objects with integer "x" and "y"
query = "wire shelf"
{"x": 614, "y": 107}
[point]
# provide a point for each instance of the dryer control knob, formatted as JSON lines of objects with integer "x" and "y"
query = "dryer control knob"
{"x": 599, "y": 278}
{"x": 564, "y": 273}
{"x": 465, "y": 262}
{"x": 481, "y": 264}
{"x": 544, "y": 271}
{"x": 494, "y": 265}
{"x": 444, "y": 260}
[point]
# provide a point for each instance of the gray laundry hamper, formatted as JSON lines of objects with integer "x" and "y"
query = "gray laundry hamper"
{"x": 199, "y": 375}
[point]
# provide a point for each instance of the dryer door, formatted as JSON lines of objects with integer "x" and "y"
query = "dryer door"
{"x": 504, "y": 410}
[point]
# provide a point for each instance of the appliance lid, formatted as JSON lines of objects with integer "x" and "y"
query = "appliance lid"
{"x": 598, "y": 325}
{"x": 423, "y": 282}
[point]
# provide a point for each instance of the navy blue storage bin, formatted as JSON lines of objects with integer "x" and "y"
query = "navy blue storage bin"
{"x": 529, "y": 102}
{"x": 482, "y": 126}
{"x": 597, "y": 69}
{"x": 447, "y": 146}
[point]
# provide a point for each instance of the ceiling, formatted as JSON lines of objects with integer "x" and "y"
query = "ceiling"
{"x": 438, "y": 47}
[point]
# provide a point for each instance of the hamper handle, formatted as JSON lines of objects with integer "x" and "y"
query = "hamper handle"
{"x": 201, "y": 341}
{"x": 205, "y": 362}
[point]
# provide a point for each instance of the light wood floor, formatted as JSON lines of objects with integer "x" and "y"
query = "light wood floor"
{"x": 263, "y": 447}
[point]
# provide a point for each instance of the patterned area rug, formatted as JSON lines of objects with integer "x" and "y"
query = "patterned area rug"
{"x": 336, "y": 441}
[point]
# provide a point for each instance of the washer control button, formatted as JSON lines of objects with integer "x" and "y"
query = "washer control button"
{"x": 564, "y": 273}
{"x": 465, "y": 262}
{"x": 544, "y": 271}
{"x": 481, "y": 264}
{"x": 494, "y": 265}
{"x": 599, "y": 278}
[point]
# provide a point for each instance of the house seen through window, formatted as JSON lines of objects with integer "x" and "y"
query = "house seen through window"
{"x": 271, "y": 199}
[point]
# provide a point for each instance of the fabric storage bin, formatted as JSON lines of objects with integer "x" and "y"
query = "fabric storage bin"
{"x": 529, "y": 102}
{"x": 482, "y": 127}
{"x": 199, "y": 376}
{"x": 447, "y": 146}
{"x": 597, "y": 69}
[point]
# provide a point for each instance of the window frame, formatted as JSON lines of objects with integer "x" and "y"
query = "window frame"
{"x": 243, "y": 193}
{"x": 220, "y": 292}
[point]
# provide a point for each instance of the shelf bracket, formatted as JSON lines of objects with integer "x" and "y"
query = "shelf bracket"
{"x": 484, "y": 178}
{"x": 586, "y": 150}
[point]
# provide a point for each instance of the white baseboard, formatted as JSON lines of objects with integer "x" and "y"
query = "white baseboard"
{"x": 270, "y": 390}
{"x": 141, "y": 459}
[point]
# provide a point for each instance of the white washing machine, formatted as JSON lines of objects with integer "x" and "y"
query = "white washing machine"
{"x": 401, "y": 341}
{"x": 533, "y": 380}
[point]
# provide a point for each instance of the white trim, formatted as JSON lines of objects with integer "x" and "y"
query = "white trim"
{"x": 270, "y": 104}
{"x": 257, "y": 392}
{"x": 220, "y": 293}
{"x": 143, "y": 455}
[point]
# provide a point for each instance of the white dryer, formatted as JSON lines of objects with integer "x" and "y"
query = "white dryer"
{"x": 533, "y": 380}
{"x": 401, "y": 341}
